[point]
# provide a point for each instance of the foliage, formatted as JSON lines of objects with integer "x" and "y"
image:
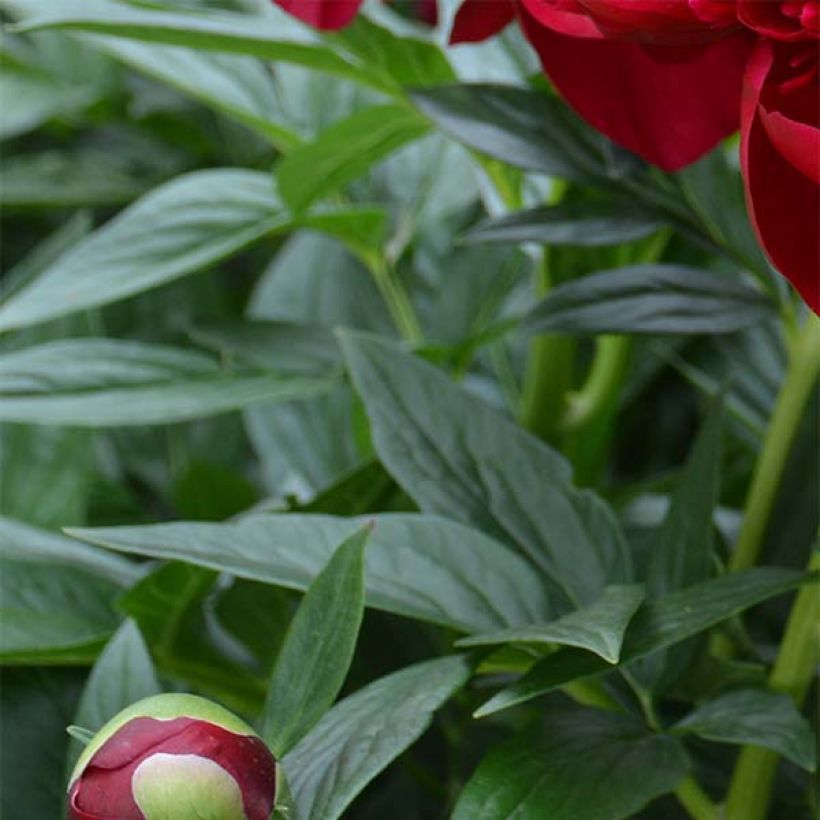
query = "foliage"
{"x": 362, "y": 317}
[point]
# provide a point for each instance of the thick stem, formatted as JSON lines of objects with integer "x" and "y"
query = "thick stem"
{"x": 750, "y": 791}
{"x": 804, "y": 364}
{"x": 549, "y": 373}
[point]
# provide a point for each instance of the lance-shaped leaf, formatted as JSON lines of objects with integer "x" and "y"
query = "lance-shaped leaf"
{"x": 365, "y": 732}
{"x": 657, "y": 624}
{"x": 575, "y": 765}
{"x": 682, "y": 554}
{"x": 21, "y": 541}
{"x": 318, "y": 648}
{"x": 345, "y": 151}
{"x": 457, "y": 456}
{"x": 650, "y": 299}
{"x": 587, "y": 226}
{"x": 183, "y": 226}
{"x": 524, "y": 128}
{"x": 105, "y": 382}
{"x": 416, "y": 565}
{"x": 53, "y": 614}
{"x": 757, "y": 717}
{"x": 599, "y": 627}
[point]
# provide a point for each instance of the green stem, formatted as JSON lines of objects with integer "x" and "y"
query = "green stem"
{"x": 750, "y": 790}
{"x": 804, "y": 364}
{"x": 696, "y": 802}
{"x": 603, "y": 382}
{"x": 549, "y": 373}
{"x": 398, "y": 303}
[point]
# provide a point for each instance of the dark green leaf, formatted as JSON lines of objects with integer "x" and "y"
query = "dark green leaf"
{"x": 185, "y": 225}
{"x": 756, "y": 717}
{"x": 344, "y": 152}
{"x": 599, "y": 627}
{"x": 122, "y": 675}
{"x": 365, "y": 732}
{"x": 318, "y": 648}
{"x": 650, "y": 299}
{"x": 658, "y": 624}
{"x": 683, "y": 552}
{"x": 102, "y": 382}
{"x": 418, "y": 566}
{"x": 26, "y": 543}
{"x": 239, "y": 86}
{"x": 53, "y": 614}
{"x": 577, "y": 765}
{"x": 279, "y": 346}
{"x": 526, "y": 129}
{"x": 456, "y": 456}
{"x": 46, "y": 474}
{"x": 566, "y": 225}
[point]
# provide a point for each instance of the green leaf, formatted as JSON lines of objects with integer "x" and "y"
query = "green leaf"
{"x": 599, "y": 627}
{"x": 714, "y": 191}
{"x": 417, "y": 566}
{"x": 526, "y": 129}
{"x": 361, "y": 229}
{"x": 46, "y": 474}
{"x": 587, "y": 226}
{"x": 318, "y": 648}
{"x": 273, "y": 36}
{"x": 29, "y": 99}
{"x": 756, "y": 717}
{"x": 658, "y": 624}
{"x": 458, "y": 457}
{"x": 52, "y": 614}
{"x": 683, "y": 552}
{"x": 105, "y": 382}
{"x": 122, "y": 675}
{"x": 82, "y": 736}
{"x": 408, "y": 61}
{"x": 365, "y": 732}
{"x": 650, "y": 299}
{"x": 576, "y": 765}
{"x": 345, "y": 151}
{"x": 239, "y": 86}
{"x": 183, "y": 226}
{"x": 280, "y": 346}
{"x": 23, "y": 542}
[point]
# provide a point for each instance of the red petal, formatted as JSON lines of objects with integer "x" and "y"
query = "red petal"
{"x": 669, "y": 104}
{"x": 784, "y": 202}
{"x": 563, "y": 16}
{"x": 770, "y": 18}
{"x": 477, "y": 20}
{"x": 324, "y": 14}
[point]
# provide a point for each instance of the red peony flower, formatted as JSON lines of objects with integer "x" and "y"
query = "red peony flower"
{"x": 174, "y": 756}
{"x": 665, "y": 79}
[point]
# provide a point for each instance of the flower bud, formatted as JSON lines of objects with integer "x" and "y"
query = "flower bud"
{"x": 170, "y": 757}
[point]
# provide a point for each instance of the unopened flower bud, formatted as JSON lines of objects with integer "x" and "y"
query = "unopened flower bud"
{"x": 171, "y": 757}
